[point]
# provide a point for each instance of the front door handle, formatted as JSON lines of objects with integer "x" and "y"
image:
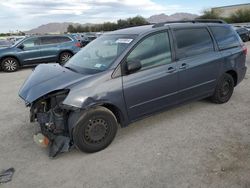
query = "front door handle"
{"x": 183, "y": 66}
{"x": 170, "y": 69}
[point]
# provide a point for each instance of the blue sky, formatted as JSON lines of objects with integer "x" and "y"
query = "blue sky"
{"x": 27, "y": 14}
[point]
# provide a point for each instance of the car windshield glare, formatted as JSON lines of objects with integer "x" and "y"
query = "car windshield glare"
{"x": 100, "y": 54}
{"x": 18, "y": 41}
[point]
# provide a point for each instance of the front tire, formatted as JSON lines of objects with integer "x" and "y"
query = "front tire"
{"x": 95, "y": 130}
{"x": 10, "y": 64}
{"x": 224, "y": 89}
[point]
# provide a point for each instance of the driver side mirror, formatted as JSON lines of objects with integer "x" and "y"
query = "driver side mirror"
{"x": 21, "y": 46}
{"x": 133, "y": 66}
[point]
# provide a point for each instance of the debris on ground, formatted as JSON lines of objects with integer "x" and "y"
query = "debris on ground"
{"x": 6, "y": 175}
{"x": 41, "y": 140}
{"x": 60, "y": 144}
{"x": 57, "y": 144}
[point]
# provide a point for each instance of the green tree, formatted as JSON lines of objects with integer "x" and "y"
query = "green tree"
{"x": 122, "y": 24}
{"x": 78, "y": 29}
{"x": 240, "y": 16}
{"x": 71, "y": 29}
{"x": 210, "y": 14}
{"x": 137, "y": 21}
{"x": 109, "y": 26}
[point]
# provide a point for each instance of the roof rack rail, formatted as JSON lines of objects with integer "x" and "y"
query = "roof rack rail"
{"x": 190, "y": 21}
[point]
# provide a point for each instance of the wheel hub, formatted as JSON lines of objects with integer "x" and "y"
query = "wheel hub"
{"x": 96, "y": 131}
{"x": 10, "y": 65}
{"x": 225, "y": 88}
{"x": 65, "y": 57}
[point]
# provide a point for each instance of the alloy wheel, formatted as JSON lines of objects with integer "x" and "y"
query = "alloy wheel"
{"x": 10, "y": 65}
{"x": 65, "y": 57}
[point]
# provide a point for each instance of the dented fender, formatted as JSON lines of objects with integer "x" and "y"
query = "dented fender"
{"x": 104, "y": 91}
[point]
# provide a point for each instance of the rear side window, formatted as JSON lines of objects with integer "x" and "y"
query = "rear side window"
{"x": 63, "y": 39}
{"x": 54, "y": 40}
{"x": 48, "y": 40}
{"x": 225, "y": 37}
{"x": 193, "y": 41}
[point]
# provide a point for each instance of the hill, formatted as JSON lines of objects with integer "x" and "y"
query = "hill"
{"x": 62, "y": 27}
{"x": 174, "y": 17}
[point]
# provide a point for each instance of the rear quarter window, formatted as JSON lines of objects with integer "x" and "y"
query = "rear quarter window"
{"x": 54, "y": 40}
{"x": 226, "y": 37}
{"x": 63, "y": 39}
{"x": 192, "y": 41}
{"x": 48, "y": 40}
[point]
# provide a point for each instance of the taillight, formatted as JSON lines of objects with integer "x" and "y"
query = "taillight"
{"x": 245, "y": 50}
{"x": 78, "y": 44}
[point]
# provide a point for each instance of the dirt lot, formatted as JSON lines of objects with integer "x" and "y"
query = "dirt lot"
{"x": 196, "y": 145}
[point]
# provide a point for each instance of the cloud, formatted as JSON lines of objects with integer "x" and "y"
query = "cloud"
{"x": 25, "y": 14}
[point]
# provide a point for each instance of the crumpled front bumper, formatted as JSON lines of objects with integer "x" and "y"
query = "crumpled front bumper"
{"x": 51, "y": 132}
{"x": 55, "y": 143}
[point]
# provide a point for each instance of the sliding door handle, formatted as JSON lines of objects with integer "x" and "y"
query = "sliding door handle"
{"x": 183, "y": 66}
{"x": 171, "y": 69}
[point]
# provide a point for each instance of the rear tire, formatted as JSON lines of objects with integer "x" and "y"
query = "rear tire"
{"x": 10, "y": 64}
{"x": 95, "y": 130}
{"x": 224, "y": 89}
{"x": 64, "y": 57}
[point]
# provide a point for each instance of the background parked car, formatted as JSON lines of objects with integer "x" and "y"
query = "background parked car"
{"x": 78, "y": 37}
{"x": 248, "y": 28}
{"x": 38, "y": 49}
{"x": 87, "y": 38}
{"x": 243, "y": 33}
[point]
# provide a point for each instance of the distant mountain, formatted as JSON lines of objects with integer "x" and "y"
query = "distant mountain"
{"x": 52, "y": 28}
{"x": 62, "y": 27}
{"x": 173, "y": 17}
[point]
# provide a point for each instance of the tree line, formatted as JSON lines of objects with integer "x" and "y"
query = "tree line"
{"x": 240, "y": 16}
{"x": 20, "y": 33}
{"x": 109, "y": 26}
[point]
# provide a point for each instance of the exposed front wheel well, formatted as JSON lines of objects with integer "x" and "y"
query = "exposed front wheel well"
{"x": 95, "y": 130}
{"x": 74, "y": 117}
{"x": 234, "y": 75}
{"x": 118, "y": 114}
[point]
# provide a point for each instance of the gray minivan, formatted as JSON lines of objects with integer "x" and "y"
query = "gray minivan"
{"x": 129, "y": 74}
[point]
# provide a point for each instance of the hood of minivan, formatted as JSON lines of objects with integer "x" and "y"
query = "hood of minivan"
{"x": 47, "y": 78}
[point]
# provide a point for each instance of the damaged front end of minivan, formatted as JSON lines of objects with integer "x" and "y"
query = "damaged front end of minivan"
{"x": 44, "y": 92}
{"x": 52, "y": 117}
{"x": 61, "y": 101}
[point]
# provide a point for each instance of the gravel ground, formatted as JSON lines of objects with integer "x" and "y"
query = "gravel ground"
{"x": 195, "y": 145}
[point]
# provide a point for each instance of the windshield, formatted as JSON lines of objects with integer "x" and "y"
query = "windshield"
{"x": 18, "y": 41}
{"x": 100, "y": 54}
